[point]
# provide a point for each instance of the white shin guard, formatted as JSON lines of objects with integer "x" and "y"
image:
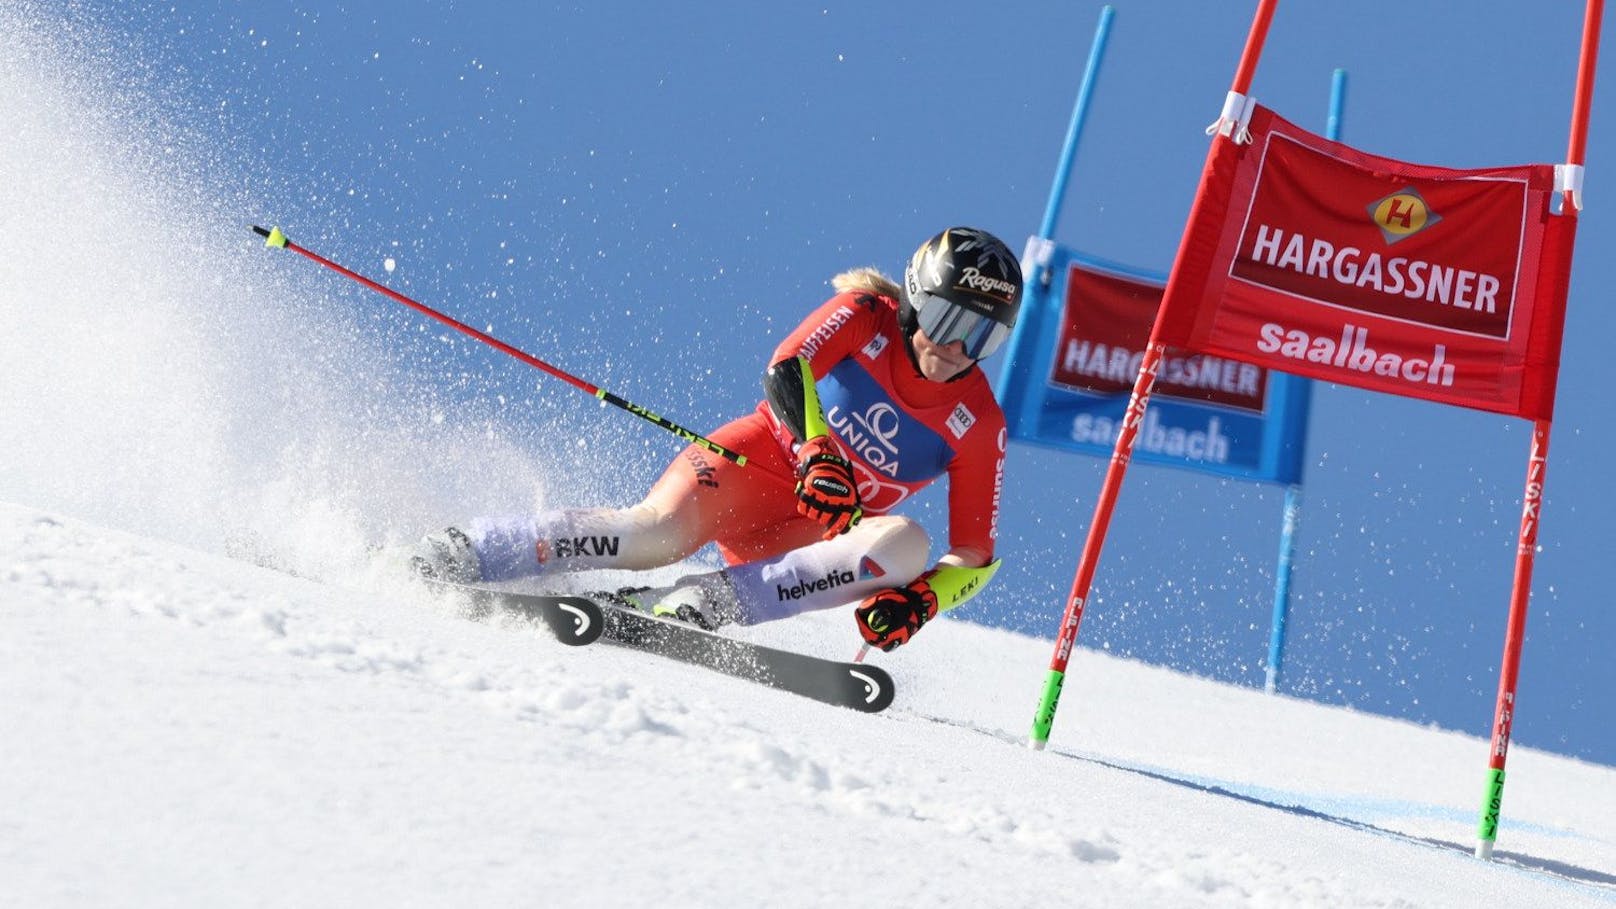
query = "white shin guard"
{"x": 881, "y": 552}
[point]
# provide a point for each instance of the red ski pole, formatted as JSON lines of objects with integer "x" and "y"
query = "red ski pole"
{"x": 274, "y": 237}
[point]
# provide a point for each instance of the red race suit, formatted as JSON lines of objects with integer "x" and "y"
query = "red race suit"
{"x": 900, "y": 430}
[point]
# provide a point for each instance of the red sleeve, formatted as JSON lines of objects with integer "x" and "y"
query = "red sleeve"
{"x": 831, "y": 333}
{"x": 976, "y": 478}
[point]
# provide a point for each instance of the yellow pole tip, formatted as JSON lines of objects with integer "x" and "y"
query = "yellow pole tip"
{"x": 276, "y": 238}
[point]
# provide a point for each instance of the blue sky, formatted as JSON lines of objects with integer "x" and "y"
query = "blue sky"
{"x": 651, "y": 195}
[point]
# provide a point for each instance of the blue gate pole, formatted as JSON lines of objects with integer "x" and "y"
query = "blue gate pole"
{"x": 1013, "y": 377}
{"x": 1282, "y": 586}
{"x": 1293, "y": 493}
{"x": 1074, "y": 132}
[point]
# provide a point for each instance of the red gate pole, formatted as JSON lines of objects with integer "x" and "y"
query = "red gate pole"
{"x": 1133, "y": 417}
{"x": 1536, "y": 466}
{"x": 1520, "y": 595}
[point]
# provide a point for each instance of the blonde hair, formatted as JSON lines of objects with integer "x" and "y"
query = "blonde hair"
{"x": 867, "y": 280}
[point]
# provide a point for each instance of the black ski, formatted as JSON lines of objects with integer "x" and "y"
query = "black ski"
{"x": 859, "y": 686}
{"x": 578, "y": 620}
{"x": 573, "y": 620}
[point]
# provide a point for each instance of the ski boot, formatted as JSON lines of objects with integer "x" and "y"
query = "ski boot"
{"x": 691, "y": 603}
{"x": 447, "y": 556}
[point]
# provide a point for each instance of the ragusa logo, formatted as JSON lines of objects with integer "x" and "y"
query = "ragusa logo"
{"x": 972, "y": 277}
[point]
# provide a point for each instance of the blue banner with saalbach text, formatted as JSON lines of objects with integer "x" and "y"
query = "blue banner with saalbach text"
{"x": 1075, "y": 354}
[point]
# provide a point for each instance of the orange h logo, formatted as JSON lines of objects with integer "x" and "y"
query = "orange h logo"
{"x": 1401, "y": 214}
{"x": 1400, "y": 211}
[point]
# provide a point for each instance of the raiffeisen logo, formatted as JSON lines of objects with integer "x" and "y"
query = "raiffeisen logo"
{"x": 1401, "y": 215}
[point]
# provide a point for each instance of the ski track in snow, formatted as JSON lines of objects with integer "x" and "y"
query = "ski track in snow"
{"x": 607, "y": 714}
{"x": 288, "y": 716}
{"x": 178, "y": 728}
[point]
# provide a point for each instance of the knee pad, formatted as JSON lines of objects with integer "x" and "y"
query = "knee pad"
{"x": 899, "y": 548}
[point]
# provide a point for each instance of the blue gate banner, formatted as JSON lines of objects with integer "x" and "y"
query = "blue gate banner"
{"x": 1074, "y": 357}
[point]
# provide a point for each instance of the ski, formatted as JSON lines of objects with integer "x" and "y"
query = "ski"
{"x": 579, "y": 620}
{"x": 858, "y": 686}
{"x": 573, "y": 620}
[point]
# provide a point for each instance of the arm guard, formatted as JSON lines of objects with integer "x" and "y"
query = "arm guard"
{"x": 954, "y": 584}
{"x": 789, "y": 387}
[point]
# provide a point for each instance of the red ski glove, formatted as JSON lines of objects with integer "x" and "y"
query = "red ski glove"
{"x": 888, "y": 619}
{"x": 826, "y": 490}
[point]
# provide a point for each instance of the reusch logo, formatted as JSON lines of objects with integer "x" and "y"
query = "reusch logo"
{"x": 830, "y": 486}
{"x": 835, "y": 578}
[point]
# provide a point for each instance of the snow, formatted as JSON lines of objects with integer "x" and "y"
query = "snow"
{"x": 182, "y": 727}
{"x": 185, "y": 729}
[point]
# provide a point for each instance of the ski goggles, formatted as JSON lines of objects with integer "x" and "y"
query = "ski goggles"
{"x": 945, "y": 321}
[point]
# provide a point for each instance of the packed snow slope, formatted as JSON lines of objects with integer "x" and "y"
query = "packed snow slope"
{"x": 185, "y": 729}
{"x": 181, "y": 726}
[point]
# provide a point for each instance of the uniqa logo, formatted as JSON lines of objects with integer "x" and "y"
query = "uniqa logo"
{"x": 872, "y": 435}
{"x": 1401, "y": 214}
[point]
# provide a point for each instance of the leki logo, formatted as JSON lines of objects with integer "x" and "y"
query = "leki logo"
{"x": 1401, "y": 215}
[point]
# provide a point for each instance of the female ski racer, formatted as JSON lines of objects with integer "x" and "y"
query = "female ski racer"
{"x": 870, "y": 399}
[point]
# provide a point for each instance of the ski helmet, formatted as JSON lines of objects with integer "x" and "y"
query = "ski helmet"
{"x": 962, "y": 285}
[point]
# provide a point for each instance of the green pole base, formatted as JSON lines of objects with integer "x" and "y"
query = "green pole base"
{"x": 1045, "y": 717}
{"x": 1491, "y": 804}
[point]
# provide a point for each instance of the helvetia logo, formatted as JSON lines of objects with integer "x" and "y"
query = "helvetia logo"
{"x": 1401, "y": 215}
{"x": 832, "y": 579}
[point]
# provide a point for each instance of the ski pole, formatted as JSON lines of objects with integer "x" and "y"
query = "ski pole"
{"x": 274, "y": 237}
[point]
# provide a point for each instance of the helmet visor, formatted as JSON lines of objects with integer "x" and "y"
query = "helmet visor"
{"x": 945, "y": 322}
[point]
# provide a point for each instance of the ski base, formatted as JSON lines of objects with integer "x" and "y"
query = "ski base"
{"x": 854, "y": 685}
